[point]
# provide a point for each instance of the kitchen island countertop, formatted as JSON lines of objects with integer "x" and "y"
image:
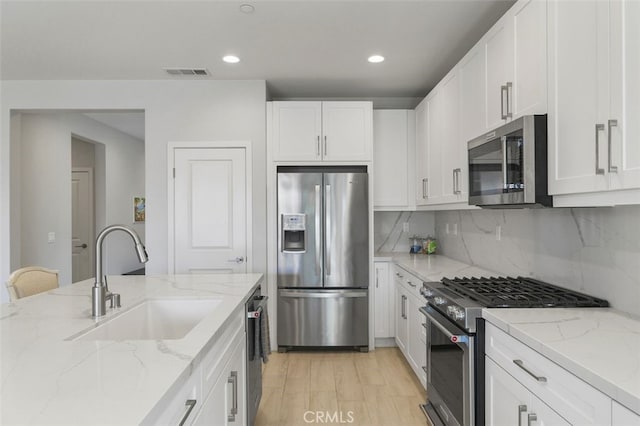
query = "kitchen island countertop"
{"x": 46, "y": 379}
{"x": 601, "y": 346}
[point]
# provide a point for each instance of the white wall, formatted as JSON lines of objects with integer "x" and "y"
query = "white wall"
{"x": 205, "y": 110}
{"x": 45, "y": 204}
{"x": 591, "y": 250}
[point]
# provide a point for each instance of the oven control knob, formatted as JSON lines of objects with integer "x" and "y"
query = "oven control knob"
{"x": 439, "y": 300}
{"x": 455, "y": 312}
{"x": 426, "y": 292}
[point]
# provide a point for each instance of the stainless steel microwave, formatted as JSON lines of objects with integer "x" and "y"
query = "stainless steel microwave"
{"x": 508, "y": 166}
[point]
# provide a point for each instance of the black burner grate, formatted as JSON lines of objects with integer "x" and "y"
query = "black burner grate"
{"x": 520, "y": 292}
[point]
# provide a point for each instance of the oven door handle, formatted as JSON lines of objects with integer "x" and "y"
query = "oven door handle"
{"x": 437, "y": 320}
{"x": 259, "y": 309}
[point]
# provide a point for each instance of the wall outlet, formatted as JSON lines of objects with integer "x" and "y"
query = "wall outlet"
{"x": 446, "y": 228}
{"x": 51, "y": 237}
{"x": 405, "y": 227}
{"x": 498, "y": 232}
{"x": 455, "y": 229}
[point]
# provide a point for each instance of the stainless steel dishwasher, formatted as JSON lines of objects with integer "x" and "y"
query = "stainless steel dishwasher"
{"x": 255, "y": 306}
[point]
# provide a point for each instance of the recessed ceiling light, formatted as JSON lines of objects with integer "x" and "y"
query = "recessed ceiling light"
{"x": 247, "y": 8}
{"x": 231, "y": 59}
{"x": 374, "y": 59}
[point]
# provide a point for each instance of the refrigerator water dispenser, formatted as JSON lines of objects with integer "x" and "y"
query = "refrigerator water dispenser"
{"x": 293, "y": 233}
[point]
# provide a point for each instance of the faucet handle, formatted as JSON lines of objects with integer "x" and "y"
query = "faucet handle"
{"x": 115, "y": 300}
{"x": 106, "y": 285}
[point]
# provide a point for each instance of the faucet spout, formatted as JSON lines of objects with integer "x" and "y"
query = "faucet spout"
{"x": 99, "y": 294}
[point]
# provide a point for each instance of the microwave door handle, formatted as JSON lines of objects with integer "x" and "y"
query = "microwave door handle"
{"x": 504, "y": 162}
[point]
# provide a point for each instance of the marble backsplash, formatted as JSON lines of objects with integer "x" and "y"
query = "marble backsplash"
{"x": 389, "y": 235}
{"x": 591, "y": 250}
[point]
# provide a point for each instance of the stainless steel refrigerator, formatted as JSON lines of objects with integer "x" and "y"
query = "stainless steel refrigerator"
{"x": 323, "y": 257}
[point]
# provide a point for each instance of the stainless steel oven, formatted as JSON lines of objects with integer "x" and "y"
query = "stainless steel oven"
{"x": 450, "y": 371}
{"x": 508, "y": 166}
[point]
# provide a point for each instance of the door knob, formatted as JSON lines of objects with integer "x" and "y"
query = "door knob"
{"x": 239, "y": 259}
{"x": 84, "y": 245}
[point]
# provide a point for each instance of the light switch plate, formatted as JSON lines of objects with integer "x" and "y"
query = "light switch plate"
{"x": 51, "y": 237}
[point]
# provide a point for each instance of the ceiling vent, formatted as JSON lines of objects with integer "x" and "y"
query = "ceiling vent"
{"x": 187, "y": 71}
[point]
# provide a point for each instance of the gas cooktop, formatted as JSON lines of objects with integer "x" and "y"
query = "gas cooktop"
{"x": 462, "y": 299}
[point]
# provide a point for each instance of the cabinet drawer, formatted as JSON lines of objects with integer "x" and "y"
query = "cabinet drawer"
{"x": 572, "y": 398}
{"x": 410, "y": 281}
{"x": 176, "y": 408}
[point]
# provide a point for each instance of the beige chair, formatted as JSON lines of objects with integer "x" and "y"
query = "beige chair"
{"x": 31, "y": 280}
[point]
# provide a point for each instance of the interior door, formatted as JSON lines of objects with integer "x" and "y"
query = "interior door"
{"x": 210, "y": 210}
{"x": 82, "y": 224}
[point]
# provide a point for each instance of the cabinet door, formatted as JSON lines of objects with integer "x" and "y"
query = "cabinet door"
{"x": 228, "y": 395}
{"x": 417, "y": 346}
{"x": 577, "y": 70}
{"x": 529, "y": 32}
{"x": 347, "y": 131}
{"x": 506, "y": 400}
{"x": 297, "y": 130}
{"x": 401, "y": 321}
{"x": 473, "y": 93}
{"x": 381, "y": 318}
{"x": 499, "y": 50}
{"x": 421, "y": 165}
{"x": 540, "y": 414}
{"x": 453, "y": 149}
{"x": 624, "y": 163}
{"x": 434, "y": 147}
{"x": 390, "y": 158}
{"x": 622, "y": 416}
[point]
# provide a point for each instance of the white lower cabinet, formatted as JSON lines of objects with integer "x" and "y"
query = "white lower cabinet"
{"x": 410, "y": 332}
{"x": 383, "y": 319}
{"x": 622, "y": 416}
{"x": 215, "y": 392}
{"x": 225, "y": 403}
{"x": 556, "y": 395}
{"x": 509, "y": 403}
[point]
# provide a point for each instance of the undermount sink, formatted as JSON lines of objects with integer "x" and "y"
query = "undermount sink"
{"x": 158, "y": 319}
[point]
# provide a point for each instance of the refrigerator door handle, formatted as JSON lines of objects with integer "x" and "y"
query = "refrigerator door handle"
{"x": 323, "y": 294}
{"x": 327, "y": 236}
{"x": 318, "y": 225}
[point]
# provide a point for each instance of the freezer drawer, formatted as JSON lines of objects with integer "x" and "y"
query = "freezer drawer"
{"x": 323, "y": 317}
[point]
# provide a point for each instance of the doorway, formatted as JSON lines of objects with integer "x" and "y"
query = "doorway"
{"x": 82, "y": 223}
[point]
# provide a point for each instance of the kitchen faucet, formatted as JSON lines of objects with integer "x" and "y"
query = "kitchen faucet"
{"x": 100, "y": 293}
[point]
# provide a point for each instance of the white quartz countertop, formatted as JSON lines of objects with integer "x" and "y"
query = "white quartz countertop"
{"x": 46, "y": 379}
{"x": 599, "y": 345}
{"x": 433, "y": 267}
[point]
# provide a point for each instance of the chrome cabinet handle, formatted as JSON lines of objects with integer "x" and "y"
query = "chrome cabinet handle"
{"x": 83, "y": 245}
{"x": 424, "y": 368}
{"x": 189, "y": 404}
{"x": 325, "y": 145}
{"x": 398, "y": 275}
{"x": 520, "y": 364}
{"x": 233, "y": 379}
{"x": 411, "y": 284}
{"x": 521, "y": 409}
{"x": 610, "y": 124}
{"x": 509, "y": 110}
{"x": 424, "y": 188}
{"x": 318, "y": 228}
{"x": 404, "y": 307}
{"x": 377, "y": 273}
{"x": 599, "y": 128}
{"x": 531, "y": 418}
{"x": 456, "y": 181}
{"x": 318, "y": 147}
{"x": 502, "y": 90}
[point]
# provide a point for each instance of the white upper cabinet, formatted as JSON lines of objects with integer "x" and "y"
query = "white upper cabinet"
{"x": 393, "y": 152}
{"x": 594, "y": 94}
{"x": 421, "y": 159}
{"x": 516, "y": 65}
{"x": 434, "y": 147}
{"x": 297, "y": 129}
{"x": 322, "y": 131}
{"x": 473, "y": 108}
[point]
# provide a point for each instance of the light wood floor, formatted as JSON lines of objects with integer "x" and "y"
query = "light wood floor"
{"x": 376, "y": 388}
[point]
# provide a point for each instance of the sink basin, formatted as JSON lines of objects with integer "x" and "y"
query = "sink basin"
{"x": 159, "y": 319}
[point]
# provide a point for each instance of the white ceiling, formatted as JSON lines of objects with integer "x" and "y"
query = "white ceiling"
{"x": 302, "y": 48}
